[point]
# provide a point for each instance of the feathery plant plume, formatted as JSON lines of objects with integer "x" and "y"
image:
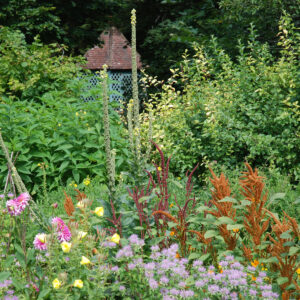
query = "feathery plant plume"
{"x": 19, "y": 183}
{"x": 109, "y": 163}
{"x": 130, "y": 125}
{"x": 68, "y": 205}
{"x": 135, "y": 86}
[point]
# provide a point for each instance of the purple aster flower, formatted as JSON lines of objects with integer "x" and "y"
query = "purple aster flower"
{"x": 131, "y": 266}
{"x": 201, "y": 269}
{"x": 108, "y": 244}
{"x": 10, "y": 292}
{"x": 262, "y": 274}
{"x": 181, "y": 284}
{"x": 197, "y": 263}
{"x": 251, "y": 268}
{"x": 252, "y": 292}
{"x": 153, "y": 283}
{"x": 229, "y": 258}
{"x": 200, "y": 283}
{"x": 155, "y": 248}
{"x": 155, "y": 255}
{"x": 224, "y": 291}
{"x": 164, "y": 280}
{"x": 2, "y": 196}
{"x": 186, "y": 294}
{"x": 67, "y": 258}
{"x": 149, "y": 266}
{"x": 213, "y": 289}
{"x": 223, "y": 263}
{"x": 167, "y": 297}
{"x": 122, "y": 288}
{"x": 266, "y": 287}
{"x": 174, "y": 292}
{"x": 115, "y": 269}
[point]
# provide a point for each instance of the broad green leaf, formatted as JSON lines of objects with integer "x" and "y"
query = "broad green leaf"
{"x": 194, "y": 255}
{"x": 228, "y": 199}
{"x": 210, "y": 233}
{"x": 225, "y": 220}
{"x": 4, "y": 276}
{"x": 293, "y": 250}
{"x": 282, "y": 280}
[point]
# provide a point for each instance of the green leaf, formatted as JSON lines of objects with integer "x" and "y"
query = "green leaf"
{"x": 204, "y": 257}
{"x": 44, "y": 293}
{"x": 63, "y": 165}
{"x": 286, "y": 235}
{"x": 4, "y": 276}
{"x": 277, "y": 196}
{"x": 228, "y": 199}
{"x": 18, "y": 285}
{"x": 210, "y": 233}
{"x": 282, "y": 280}
{"x": 225, "y": 220}
{"x": 235, "y": 226}
{"x": 293, "y": 250}
{"x": 194, "y": 255}
{"x": 245, "y": 202}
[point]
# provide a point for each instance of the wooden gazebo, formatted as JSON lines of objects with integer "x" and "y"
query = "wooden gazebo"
{"x": 115, "y": 52}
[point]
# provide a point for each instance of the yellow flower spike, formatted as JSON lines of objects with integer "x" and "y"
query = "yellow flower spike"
{"x": 99, "y": 211}
{"x": 82, "y": 234}
{"x": 85, "y": 261}
{"x": 115, "y": 238}
{"x": 56, "y": 283}
{"x": 78, "y": 283}
{"x": 66, "y": 247}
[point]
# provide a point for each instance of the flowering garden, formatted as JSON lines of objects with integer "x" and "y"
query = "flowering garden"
{"x": 92, "y": 208}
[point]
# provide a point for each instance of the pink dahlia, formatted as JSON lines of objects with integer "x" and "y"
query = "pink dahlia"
{"x": 62, "y": 230}
{"x": 40, "y": 241}
{"x": 16, "y": 206}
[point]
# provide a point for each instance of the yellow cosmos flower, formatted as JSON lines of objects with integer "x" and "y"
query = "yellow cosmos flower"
{"x": 255, "y": 263}
{"x": 115, "y": 238}
{"x": 85, "y": 261}
{"x": 56, "y": 283}
{"x": 78, "y": 283}
{"x": 82, "y": 234}
{"x": 66, "y": 247}
{"x": 99, "y": 211}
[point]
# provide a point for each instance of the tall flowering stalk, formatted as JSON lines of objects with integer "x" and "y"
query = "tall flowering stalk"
{"x": 135, "y": 95}
{"x": 130, "y": 125}
{"x": 109, "y": 156}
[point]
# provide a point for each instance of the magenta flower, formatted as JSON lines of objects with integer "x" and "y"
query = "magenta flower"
{"x": 62, "y": 230}
{"x": 16, "y": 206}
{"x": 40, "y": 242}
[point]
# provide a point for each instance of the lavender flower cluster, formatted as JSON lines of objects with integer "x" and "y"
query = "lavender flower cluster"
{"x": 9, "y": 293}
{"x": 231, "y": 281}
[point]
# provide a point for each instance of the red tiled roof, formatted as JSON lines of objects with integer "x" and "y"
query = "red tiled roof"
{"x": 115, "y": 52}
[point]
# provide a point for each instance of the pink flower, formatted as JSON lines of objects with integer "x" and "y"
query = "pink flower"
{"x": 40, "y": 241}
{"x": 62, "y": 230}
{"x": 16, "y": 206}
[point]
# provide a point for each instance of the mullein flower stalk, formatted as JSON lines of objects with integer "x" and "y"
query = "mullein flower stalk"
{"x": 109, "y": 155}
{"x": 130, "y": 125}
{"x": 135, "y": 86}
{"x": 150, "y": 132}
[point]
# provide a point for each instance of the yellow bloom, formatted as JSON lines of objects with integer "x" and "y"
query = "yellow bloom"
{"x": 253, "y": 278}
{"x": 77, "y": 114}
{"x": 80, "y": 204}
{"x": 86, "y": 181}
{"x": 85, "y": 261}
{"x": 81, "y": 234}
{"x": 115, "y": 238}
{"x": 179, "y": 178}
{"x": 159, "y": 168}
{"x": 78, "y": 283}
{"x": 298, "y": 271}
{"x": 75, "y": 185}
{"x": 66, "y": 247}
{"x": 171, "y": 205}
{"x": 235, "y": 230}
{"x": 172, "y": 233}
{"x": 255, "y": 263}
{"x": 99, "y": 211}
{"x": 59, "y": 124}
{"x": 56, "y": 283}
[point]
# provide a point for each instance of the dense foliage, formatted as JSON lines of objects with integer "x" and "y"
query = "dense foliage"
{"x": 231, "y": 111}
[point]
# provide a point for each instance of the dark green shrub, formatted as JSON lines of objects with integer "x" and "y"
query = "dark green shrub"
{"x": 65, "y": 133}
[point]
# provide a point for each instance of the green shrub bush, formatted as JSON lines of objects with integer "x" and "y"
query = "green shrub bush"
{"x": 65, "y": 133}
{"x": 231, "y": 111}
